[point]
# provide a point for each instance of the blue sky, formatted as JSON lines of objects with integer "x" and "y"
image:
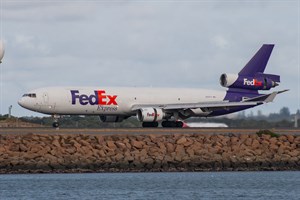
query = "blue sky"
{"x": 144, "y": 43}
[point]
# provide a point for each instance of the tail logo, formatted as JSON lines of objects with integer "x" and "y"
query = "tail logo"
{"x": 253, "y": 82}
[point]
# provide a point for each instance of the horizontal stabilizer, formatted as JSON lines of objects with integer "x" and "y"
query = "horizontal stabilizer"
{"x": 266, "y": 98}
{"x": 282, "y": 91}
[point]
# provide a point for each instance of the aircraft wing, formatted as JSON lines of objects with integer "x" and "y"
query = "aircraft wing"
{"x": 214, "y": 105}
{"x": 204, "y": 105}
{"x": 209, "y": 105}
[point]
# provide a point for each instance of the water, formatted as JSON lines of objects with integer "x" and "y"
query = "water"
{"x": 207, "y": 185}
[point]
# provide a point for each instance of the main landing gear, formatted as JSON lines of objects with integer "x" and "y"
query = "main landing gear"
{"x": 165, "y": 124}
{"x": 172, "y": 124}
{"x": 150, "y": 124}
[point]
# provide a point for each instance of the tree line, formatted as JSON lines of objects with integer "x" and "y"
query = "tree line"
{"x": 282, "y": 119}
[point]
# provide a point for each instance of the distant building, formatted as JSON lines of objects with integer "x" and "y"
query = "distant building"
{"x": 295, "y": 118}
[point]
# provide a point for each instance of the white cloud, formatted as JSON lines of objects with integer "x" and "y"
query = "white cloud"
{"x": 220, "y": 41}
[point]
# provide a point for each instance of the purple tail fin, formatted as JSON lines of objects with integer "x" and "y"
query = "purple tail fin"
{"x": 253, "y": 72}
{"x": 258, "y": 62}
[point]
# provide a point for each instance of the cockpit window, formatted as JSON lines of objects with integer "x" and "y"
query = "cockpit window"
{"x": 31, "y": 95}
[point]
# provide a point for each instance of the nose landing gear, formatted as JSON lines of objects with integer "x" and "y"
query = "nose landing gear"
{"x": 55, "y": 123}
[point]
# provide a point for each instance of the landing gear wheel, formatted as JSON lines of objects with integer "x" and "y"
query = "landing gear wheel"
{"x": 179, "y": 124}
{"x": 150, "y": 124}
{"x": 55, "y": 124}
{"x": 172, "y": 124}
{"x": 168, "y": 124}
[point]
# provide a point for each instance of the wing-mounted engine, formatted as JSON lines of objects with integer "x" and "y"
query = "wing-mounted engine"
{"x": 150, "y": 114}
{"x": 113, "y": 118}
{"x": 259, "y": 81}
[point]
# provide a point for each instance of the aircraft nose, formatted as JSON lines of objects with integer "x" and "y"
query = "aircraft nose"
{"x": 21, "y": 102}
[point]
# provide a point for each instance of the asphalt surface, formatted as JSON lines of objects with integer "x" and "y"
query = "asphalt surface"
{"x": 142, "y": 131}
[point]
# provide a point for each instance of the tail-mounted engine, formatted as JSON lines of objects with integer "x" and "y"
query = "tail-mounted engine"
{"x": 259, "y": 81}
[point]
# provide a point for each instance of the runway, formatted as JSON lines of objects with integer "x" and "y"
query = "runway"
{"x": 142, "y": 131}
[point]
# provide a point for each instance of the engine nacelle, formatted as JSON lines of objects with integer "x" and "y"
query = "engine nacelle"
{"x": 226, "y": 80}
{"x": 113, "y": 118}
{"x": 258, "y": 82}
{"x": 150, "y": 114}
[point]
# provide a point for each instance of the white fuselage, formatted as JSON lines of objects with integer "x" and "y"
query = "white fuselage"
{"x": 110, "y": 101}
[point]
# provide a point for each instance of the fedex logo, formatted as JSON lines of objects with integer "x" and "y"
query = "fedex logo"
{"x": 254, "y": 82}
{"x": 98, "y": 98}
{"x": 152, "y": 115}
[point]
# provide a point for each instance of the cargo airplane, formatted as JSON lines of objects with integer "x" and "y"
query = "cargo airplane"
{"x": 168, "y": 106}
